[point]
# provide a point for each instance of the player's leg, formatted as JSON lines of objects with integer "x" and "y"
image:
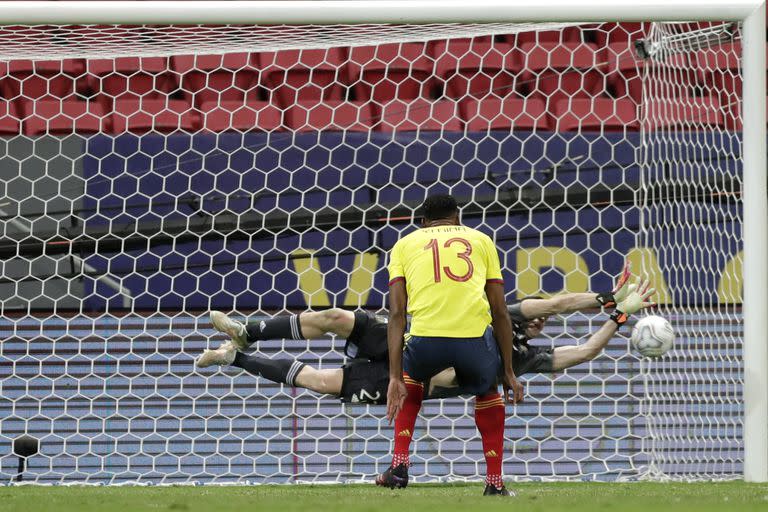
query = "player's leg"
{"x": 327, "y": 381}
{"x": 284, "y": 371}
{"x": 571, "y": 355}
{"x": 489, "y": 418}
{"x": 314, "y": 324}
{"x": 307, "y": 325}
{"x": 478, "y": 364}
{"x": 423, "y": 357}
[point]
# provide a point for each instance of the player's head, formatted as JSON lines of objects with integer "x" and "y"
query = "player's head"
{"x": 535, "y": 326}
{"x": 440, "y": 208}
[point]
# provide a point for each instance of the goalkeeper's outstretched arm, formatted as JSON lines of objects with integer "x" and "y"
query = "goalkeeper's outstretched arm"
{"x": 570, "y": 302}
{"x": 637, "y": 298}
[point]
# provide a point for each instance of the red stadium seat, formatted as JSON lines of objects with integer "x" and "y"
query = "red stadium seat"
{"x": 225, "y": 77}
{"x": 63, "y": 117}
{"x": 683, "y": 112}
{"x": 43, "y": 79}
{"x": 558, "y": 71}
{"x": 391, "y": 71}
{"x": 475, "y": 68}
{"x": 303, "y": 75}
{"x": 624, "y": 68}
{"x": 9, "y": 118}
{"x": 595, "y": 114}
{"x": 158, "y": 114}
{"x": 612, "y": 33}
{"x": 130, "y": 77}
{"x": 719, "y": 69}
{"x": 330, "y": 116}
{"x": 219, "y": 116}
{"x": 565, "y": 35}
{"x": 504, "y": 114}
{"x": 420, "y": 114}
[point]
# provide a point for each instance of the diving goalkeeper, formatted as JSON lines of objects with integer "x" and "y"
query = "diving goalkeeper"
{"x": 365, "y": 376}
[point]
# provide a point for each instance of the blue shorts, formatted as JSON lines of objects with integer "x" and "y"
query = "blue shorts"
{"x": 476, "y": 360}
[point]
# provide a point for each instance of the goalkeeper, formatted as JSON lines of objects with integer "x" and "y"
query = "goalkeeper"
{"x": 365, "y": 377}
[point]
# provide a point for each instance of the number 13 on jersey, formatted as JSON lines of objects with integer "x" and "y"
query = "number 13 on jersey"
{"x": 454, "y": 244}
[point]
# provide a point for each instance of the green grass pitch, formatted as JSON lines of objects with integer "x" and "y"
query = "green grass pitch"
{"x": 532, "y": 497}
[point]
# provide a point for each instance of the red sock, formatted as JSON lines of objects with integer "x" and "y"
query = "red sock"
{"x": 406, "y": 420}
{"x": 489, "y": 417}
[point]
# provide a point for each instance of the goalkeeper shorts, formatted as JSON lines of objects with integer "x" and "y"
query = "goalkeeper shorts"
{"x": 365, "y": 382}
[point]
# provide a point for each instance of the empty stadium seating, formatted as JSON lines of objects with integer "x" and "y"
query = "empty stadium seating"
{"x": 204, "y": 78}
{"x": 458, "y": 61}
{"x": 331, "y": 115}
{"x": 668, "y": 113}
{"x": 159, "y": 114}
{"x": 295, "y": 75}
{"x": 63, "y": 117}
{"x": 558, "y": 70}
{"x": 504, "y": 114}
{"x": 420, "y": 114}
{"x": 594, "y": 114}
{"x": 391, "y": 71}
{"x": 43, "y": 79}
{"x": 9, "y": 118}
{"x": 548, "y": 80}
{"x": 129, "y": 77}
{"x": 219, "y": 116}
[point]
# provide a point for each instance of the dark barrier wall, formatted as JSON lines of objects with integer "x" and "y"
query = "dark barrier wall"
{"x": 272, "y": 221}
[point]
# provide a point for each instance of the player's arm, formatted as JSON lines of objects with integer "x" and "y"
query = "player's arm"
{"x": 502, "y": 325}
{"x": 638, "y": 297}
{"x": 397, "y": 391}
{"x": 570, "y": 302}
{"x": 571, "y": 355}
{"x": 502, "y": 332}
{"x": 398, "y": 302}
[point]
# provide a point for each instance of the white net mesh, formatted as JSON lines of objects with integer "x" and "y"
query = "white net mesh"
{"x": 691, "y": 210}
{"x": 156, "y": 173}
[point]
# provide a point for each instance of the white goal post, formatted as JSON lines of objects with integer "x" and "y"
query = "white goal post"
{"x": 751, "y": 13}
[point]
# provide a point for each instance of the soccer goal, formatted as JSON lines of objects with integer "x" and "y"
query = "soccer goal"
{"x": 164, "y": 159}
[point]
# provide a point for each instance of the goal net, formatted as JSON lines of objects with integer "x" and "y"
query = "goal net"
{"x": 153, "y": 173}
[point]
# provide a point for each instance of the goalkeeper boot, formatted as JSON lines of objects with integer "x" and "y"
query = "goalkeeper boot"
{"x": 222, "y": 356}
{"x": 395, "y": 477}
{"x": 232, "y": 328}
{"x": 492, "y": 490}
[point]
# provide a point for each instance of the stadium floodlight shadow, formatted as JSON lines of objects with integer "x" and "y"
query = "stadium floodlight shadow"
{"x": 24, "y": 447}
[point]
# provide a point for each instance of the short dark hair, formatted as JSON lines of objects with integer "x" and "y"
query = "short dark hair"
{"x": 439, "y": 206}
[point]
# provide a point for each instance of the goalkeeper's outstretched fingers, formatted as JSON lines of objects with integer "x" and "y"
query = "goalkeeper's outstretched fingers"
{"x": 638, "y": 297}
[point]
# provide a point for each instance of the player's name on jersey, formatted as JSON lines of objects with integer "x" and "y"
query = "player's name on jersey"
{"x": 447, "y": 229}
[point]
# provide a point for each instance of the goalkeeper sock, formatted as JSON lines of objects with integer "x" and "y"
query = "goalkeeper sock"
{"x": 489, "y": 418}
{"x": 276, "y": 328}
{"x": 406, "y": 421}
{"x": 276, "y": 370}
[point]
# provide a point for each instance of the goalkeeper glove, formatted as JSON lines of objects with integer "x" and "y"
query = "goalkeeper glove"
{"x": 620, "y": 289}
{"x": 636, "y": 298}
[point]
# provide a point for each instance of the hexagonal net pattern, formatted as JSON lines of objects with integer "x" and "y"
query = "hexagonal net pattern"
{"x": 152, "y": 174}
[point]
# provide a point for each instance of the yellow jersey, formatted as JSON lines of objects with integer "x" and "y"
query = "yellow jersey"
{"x": 445, "y": 269}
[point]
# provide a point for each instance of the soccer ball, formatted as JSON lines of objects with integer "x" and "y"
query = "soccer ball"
{"x": 652, "y": 336}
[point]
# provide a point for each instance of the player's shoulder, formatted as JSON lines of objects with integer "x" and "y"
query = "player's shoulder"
{"x": 479, "y": 235}
{"x": 410, "y": 238}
